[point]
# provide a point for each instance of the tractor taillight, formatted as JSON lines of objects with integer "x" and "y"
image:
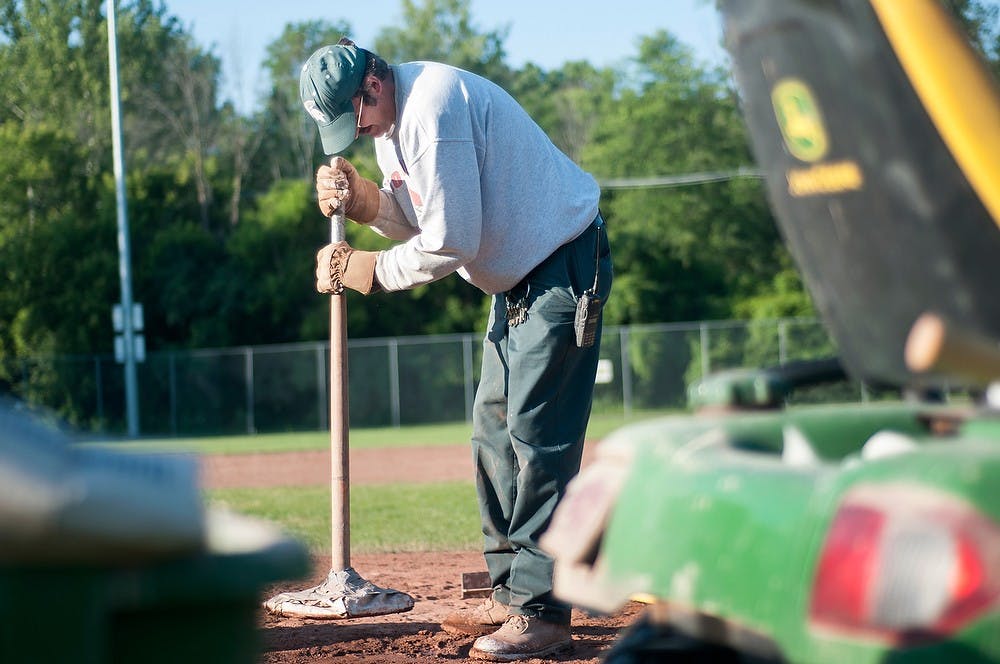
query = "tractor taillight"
{"x": 974, "y": 589}
{"x": 847, "y": 567}
{"x": 905, "y": 563}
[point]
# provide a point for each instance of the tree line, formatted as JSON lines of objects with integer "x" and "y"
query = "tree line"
{"x": 221, "y": 206}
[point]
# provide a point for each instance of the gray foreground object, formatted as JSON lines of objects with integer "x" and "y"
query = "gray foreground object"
{"x": 119, "y": 547}
{"x": 66, "y": 503}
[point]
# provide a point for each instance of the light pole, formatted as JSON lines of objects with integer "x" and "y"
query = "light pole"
{"x": 124, "y": 245}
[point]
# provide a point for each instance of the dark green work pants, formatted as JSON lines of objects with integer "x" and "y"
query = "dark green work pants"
{"x": 530, "y": 417}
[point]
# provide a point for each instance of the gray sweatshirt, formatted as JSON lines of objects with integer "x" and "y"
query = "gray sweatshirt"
{"x": 477, "y": 186}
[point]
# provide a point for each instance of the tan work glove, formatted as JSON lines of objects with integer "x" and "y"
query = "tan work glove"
{"x": 338, "y": 265}
{"x": 340, "y": 184}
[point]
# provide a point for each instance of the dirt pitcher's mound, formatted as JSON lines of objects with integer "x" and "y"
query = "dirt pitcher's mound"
{"x": 415, "y": 637}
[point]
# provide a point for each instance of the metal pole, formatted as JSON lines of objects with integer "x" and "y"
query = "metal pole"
{"x": 706, "y": 366}
{"x": 321, "y": 399}
{"x": 124, "y": 247}
{"x": 100, "y": 392}
{"x": 470, "y": 386}
{"x": 248, "y": 379}
{"x": 173, "y": 393}
{"x": 340, "y": 492}
{"x": 782, "y": 342}
{"x": 394, "y": 381}
{"x": 626, "y": 372}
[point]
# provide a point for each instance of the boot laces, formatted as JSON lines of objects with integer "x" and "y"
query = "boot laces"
{"x": 517, "y": 623}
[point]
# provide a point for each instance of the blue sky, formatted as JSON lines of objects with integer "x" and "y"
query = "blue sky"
{"x": 546, "y": 32}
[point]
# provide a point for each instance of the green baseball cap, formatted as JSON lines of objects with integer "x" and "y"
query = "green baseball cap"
{"x": 329, "y": 79}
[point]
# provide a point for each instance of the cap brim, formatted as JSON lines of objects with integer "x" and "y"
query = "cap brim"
{"x": 339, "y": 134}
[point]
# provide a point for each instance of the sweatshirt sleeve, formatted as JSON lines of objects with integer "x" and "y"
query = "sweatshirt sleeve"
{"x": 445, "y": 190}
{"x": 391, "y": 222}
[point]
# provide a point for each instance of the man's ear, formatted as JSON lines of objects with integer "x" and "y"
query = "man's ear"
{"x": 374, "y": 84}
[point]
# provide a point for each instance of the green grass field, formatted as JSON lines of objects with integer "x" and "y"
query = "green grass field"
{"x": 386, "y": 518}
{"x": 456, "y": 433}
{"x": 400, "y": 517}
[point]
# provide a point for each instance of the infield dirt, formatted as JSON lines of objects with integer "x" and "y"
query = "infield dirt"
{"x": 433, "y": 579}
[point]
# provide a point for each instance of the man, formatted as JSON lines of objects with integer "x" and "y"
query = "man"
{"x": 472, "y": 185}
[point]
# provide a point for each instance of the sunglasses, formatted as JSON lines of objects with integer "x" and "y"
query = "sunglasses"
{"x": 361, "y": 107}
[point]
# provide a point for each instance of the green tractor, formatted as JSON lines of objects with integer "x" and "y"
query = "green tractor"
{"x": 838, "y": 533}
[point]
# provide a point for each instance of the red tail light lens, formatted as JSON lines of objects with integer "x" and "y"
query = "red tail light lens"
{"x": 973, "y": 589}
{"x": 847, "y": 567}
{"x": 905, "y": 563}
{"x": 971, "y": 575}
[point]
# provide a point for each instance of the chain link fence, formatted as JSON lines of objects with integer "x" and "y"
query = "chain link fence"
{"x": 393, "y": 381}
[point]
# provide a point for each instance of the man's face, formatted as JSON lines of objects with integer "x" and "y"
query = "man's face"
{"x": 376, "y": 109}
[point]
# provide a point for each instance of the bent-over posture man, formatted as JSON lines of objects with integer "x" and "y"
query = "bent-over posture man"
{"x": 472, "y": 185}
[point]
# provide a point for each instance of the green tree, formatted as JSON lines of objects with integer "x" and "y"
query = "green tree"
{"x": 181, "y": 115}
{"x": 683, "y": 253}
{"x": 443, "y": 31}
{"x": 53, "y": 64}
{"x": 49, "y": 243}
{"x": 291, "y": 145}
{"x": 981, "y": 22}
{"x": 57, "y": 216}
{"x": 567, "y": 103}
{"x": 269, "y": 281}
{"x": 57, "y": 279}
{"x": 47, "y": 69}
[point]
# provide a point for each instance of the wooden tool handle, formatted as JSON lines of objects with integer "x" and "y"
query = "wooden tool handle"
{"x": 936, "y": 345}
{"x": 340, "y": 485}
{"x": 337, "y": 230}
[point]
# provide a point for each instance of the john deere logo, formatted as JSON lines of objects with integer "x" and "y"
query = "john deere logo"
{"x": 799, "y": 119}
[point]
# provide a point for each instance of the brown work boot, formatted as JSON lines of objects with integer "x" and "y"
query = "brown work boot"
{"x": 522, "y": 637}
{"x": 481, "y": 619}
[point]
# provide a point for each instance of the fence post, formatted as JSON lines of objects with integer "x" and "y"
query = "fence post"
{"x": 173, "y": 392}
{"x": 626, "y": 360}
{"x": 100, "y": 391}
{"x": 248, "y": 377}
{"x": 321, "y": 375}
{"x": 706, "y": 365}
{"x": 470, "y": 388}
{"x": 782, "y": 341}
{"x": 394, "y": 380}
